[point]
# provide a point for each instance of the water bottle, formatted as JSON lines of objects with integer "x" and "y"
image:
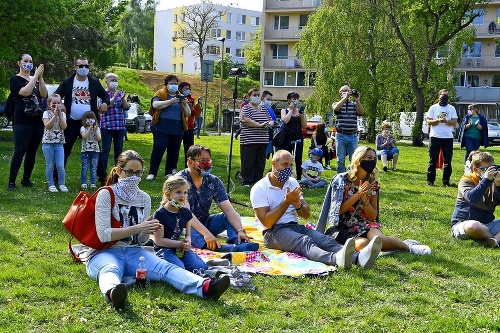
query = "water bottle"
{"x": 179, "y": 252}
{"x": 141, "y": 273}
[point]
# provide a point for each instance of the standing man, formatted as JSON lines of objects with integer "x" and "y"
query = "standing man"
{"x": 347, "y": 111}
{"x": 80, "y": 93}
{"x": 203, "y": 189}
{"x": 441, "y": 117}
{"x": 478, "y": 196}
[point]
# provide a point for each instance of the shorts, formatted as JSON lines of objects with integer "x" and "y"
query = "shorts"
{"x": 458, "y": 229}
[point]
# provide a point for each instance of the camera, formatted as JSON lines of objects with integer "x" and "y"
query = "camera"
{"x": 238, "y": 71}
{"x": 354, "y": 92}
{"x": 180, "y": 97}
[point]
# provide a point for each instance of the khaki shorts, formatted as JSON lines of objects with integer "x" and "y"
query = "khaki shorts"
{"x": 458, "y": 231}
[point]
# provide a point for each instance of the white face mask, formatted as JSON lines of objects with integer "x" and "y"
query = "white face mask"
{"x": 113, "y": 85}
{"x": 255, "y": 99}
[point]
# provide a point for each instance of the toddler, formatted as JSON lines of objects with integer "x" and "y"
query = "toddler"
{"x": 312, "y": 169}
{"x": 90, "y": 148}
{"x": 175, "y": 218}
{"x": 54, "y": 121}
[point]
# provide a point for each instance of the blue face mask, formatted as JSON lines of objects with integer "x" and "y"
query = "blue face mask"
{"x": 28, "y": 66}
{"x": 187, "y": 92}
{"x": 284, "y": 175}
{"x": 82, "y": 71}
{"x": 173, "y": 87}
{"x": 267, "y": 103}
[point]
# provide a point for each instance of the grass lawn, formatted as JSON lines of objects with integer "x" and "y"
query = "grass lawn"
{"x": 454, "y": 290}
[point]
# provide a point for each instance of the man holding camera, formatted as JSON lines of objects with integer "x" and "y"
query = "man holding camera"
{"x": 478, "y": 196}
{"x": 347, "y": 111}
{"x": 442, "y": 118}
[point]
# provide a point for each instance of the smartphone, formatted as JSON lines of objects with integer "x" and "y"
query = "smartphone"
{"x": 180, "y": 97}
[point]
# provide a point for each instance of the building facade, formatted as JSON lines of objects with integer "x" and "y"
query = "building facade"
{"x": 171, "y": 54}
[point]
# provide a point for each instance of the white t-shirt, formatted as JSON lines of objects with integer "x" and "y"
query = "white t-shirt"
{"x": 264, "y": 194}
{"x": 312, "y": 169}
{"x": 80, "y": 99}
{"x": 442, "y": 130}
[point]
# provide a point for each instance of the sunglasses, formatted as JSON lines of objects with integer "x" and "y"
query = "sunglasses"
{"x": 130, "y": 172}
{"x": 203, "y": 160}
{"x": 81, "y": 66}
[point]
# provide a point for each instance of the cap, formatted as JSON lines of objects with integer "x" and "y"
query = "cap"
{"x": 292, "y": 94}
{"x": 317, "y": 151}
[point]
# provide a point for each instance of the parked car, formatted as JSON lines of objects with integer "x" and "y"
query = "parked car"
{"x": 312, "y": 123}
{"x": 136, "y": 120}
{"x": 494, "y": 133}
{"x": 4, "y": 121}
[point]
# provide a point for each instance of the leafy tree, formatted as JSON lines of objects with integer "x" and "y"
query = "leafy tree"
{"x": 227, "y": 65}
{"x": 252, "y": 55}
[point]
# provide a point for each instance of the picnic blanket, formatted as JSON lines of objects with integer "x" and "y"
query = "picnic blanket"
{"x": 267, "y": 261}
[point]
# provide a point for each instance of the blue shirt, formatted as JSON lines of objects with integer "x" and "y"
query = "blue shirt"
{"x": 201, "y": 199}
{"x": 173, "y": 223}
{"x": 170, "y": 118}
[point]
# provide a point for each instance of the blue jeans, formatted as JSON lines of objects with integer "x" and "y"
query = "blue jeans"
{"x": 216, "y": 224}
{"x": 189, "y": 262}
{"x": 470, "y": 145}
{"x": 89, "y": 160}
{"x": 345, "y": 144}
{"x": 164, "y": 142}
{"x": 107, "y": 136}
{"x": 320, "y": 183}
{"x": 389, "y": 153}
{"x": 109, "y": 267}
{"x": 54, "y": 154}
{"x": 199, "y": 122}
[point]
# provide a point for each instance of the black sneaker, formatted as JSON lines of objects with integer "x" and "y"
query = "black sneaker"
{"x": 118, "y": 295}
{"x": 27, "y": 183}
{"x": 385, "y": 168}
{"x": 11, "y": 186}
{"x": 430, "y": 183}
{"x": 217, "y": 287}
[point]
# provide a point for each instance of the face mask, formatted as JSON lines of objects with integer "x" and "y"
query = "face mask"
{"x": 82, "y": 71}
{"x": 246, "y": 99}
{"x": 173, "y": 87}
{"x": 176, "y": 204}
{"x": 187, "y": 92}
{"x": 255, "y": 99}
{"x": 469, "y": 112}
{"x": 284, "y": 175}
{"x": 443, "y": 100}
{"x": 127, "y": 188}
{"x": 385, "y": 132}
{"x": 28, "y": 66}
{"x": 295, "y": 102}
{"x": 267, "y": 103}
{"x": 204, "y": 168}
{"x": 90, "y": 122}
{"x": 113, "y": 85}
{"x": 368, "y": 165}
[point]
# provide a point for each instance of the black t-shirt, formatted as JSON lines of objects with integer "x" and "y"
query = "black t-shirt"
{"x": 20, "y": 116}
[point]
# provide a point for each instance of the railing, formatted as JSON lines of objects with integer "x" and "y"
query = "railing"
{"x": 488, "y": 28}
{"x": 479, "y": 94}
{"x": 290, "y": 33}
{"x": 478, "y": 63}
{"x": 289, "y": 62}
{"x": 292, "y": 4}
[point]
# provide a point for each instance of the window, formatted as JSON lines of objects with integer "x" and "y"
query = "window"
{"x": 281, "y": 22}
{"x": 240, "y": 53}
{"x": 219, "y": 16}
{"x": 279, "y": 79}
{"x": 479, "y": 20}
{"x": 175, "y": 34}
{"x": 228, "y": 50}
{"x": 181, "y": 68}
{"x": 280, "y": 51}
{"x": 268, "y": 78}
{"x": 174, "y": 52}
{"x": 312, "y": 79}
{"x": 471, "y": 51}
{"x": 291, "y": 78}
{"x": 175, "y": 18}
{"x": 215, "y": 33}
{"x": 443, "y": 52}
{"x": 240, "y": 35}
{"x": 213, "y": 49}
{"x": 255, "y": 21}
{"x": 496, "y": 80}
{"x": 252, "y": 35}
{"x": 228, "y": 34}
{"x": 181, "y": 51}
{"x": 303, "y": 21}
{"x": 183, "y": 17}
{"x": 241, "y": 19}
{"x": 301, "y": 79}
{"x": 229, "y": 17}
{"x": 497, "y": 50}
{"x": 174, "y": 68}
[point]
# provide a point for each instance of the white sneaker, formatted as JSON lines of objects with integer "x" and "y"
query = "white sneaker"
{"x": 174, "y": 171}
{"x": 328, "y": 167}
{"x": 63, "y": 188}
{"x": 422, "y": 250}
{"x": 92, "y": 186}
{"x": 369, "y": 254}
{"x": 411, "y": 242}
{"x": 84, "y": 186}
{"x": 53, "y": 189}
{"x": 343, "y": 258}
{"x": 150, "y": 177}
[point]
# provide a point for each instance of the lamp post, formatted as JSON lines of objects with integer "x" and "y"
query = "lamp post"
{"x": 219, "y": 123}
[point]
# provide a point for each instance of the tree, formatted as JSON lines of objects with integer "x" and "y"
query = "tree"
{"x": 227, "y": 65}
{"x": 252, "y": 55}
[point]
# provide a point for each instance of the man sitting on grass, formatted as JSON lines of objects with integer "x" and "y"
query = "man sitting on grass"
{"x": 478, "y": 196}
{"x": 277, "y": 200}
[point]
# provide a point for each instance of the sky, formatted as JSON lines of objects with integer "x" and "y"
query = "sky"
{"x": 245, "y": 4}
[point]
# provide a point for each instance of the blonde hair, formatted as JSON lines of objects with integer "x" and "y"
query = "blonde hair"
{"x": 481, "y": 157}
{"x": 170, "y": 185}
{"x": 386, "y": 124}
{"x": 110, "y": 75}
{"x": 357, "y": 156}
{"x": 51, "y": 97}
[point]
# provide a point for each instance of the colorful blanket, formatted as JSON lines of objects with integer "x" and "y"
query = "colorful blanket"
{"x": 268, "y": 261}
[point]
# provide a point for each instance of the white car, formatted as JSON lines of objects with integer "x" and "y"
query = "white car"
{"x": 136, "y": 121}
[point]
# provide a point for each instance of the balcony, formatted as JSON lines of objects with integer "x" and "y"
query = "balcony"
{"x": 488, "y": 29}
{"x": 292, "y": 33}
{"x": 484, "y": 63}
{"x": 288, "y": 63}
{"x": 292, "y": 4}
{"x": 478, "y": 95}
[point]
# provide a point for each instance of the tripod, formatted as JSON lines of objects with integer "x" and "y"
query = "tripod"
{"x": 235, "y": 96}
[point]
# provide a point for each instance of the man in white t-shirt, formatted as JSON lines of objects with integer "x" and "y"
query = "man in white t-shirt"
{"x": 277, "y": 200}
{"x": 441, "y": 117}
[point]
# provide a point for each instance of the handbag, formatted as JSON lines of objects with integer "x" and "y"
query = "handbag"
{"x": 32, "y": 106}
{"x": 80, "y": 221}
{"x": 279, "y": 135}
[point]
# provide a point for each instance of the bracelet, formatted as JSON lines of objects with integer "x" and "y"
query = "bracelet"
{"x": 299, "y": 207}
{"x": 241, "y": 230}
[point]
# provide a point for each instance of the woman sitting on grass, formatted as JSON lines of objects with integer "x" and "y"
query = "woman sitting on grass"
{"x": 353, "y": 211}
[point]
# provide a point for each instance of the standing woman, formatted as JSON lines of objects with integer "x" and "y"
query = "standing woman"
{"x": 188, "y": 136}
{"x": 27, "y": 92}
{"x": 169, "y": 110}
{"x": 255, "y": 124}
{"x": 295, "y": 121}
{"x": 474, "y": 131}
{"x": 132, "y": 208}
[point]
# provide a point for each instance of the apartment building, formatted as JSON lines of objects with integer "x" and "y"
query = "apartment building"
{"x": 478, "y": 79}
{"x": 171, "y": 54}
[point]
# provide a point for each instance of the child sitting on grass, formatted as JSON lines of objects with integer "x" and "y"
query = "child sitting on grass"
{"x": 312, "y": 169}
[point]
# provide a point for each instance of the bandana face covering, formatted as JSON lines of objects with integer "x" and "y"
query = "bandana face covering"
{"x": 127, "y": 188}
{"x": 204, "y": 168}
{"x": 176, "y": 204}
{"x": 284, "y": 175}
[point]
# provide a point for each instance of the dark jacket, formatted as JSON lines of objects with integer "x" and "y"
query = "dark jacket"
{"x": 484, "y": 131}
{"x": 65, "y": 89}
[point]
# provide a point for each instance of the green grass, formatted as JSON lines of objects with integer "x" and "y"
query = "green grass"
{"x": 454, "y": 290}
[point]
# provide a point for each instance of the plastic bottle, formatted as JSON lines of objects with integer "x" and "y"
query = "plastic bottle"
{"x": 141, "y": 273}
{"x": 179, "y": 252}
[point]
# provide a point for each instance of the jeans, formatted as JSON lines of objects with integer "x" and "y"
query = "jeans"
{"x": 54, "y": 154}
{"x": 216, "y": 224}
{"x": 189, "y": 262}
{"x": 253, "y": 162}
{"x": 27, "y": 138}
{"x": 435, "y": 144}
{"x": 389, "y": 153}
{"x": 89, "y": 160}
{"x": 187, "y": 141}
{"x": 298, "y": 146}
{"x": 320, "y": 183}
{"x": 345, "y": 144}
{"x": 109, "y": 267}
{"x": 470, "y": 145}
{"x": 199, "y": 122}
{"x": 307, "y": 242}
{"x": 107, "y": 136}
{"x": 161, "y": 142}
